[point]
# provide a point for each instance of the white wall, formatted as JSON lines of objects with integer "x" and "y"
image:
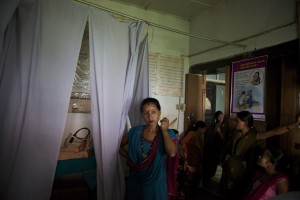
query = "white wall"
{"x": 237, "y": 19}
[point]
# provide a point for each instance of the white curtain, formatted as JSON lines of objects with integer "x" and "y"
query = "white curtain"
{"x": 114, "y": 52}
{"x": 38, "y": 61}
{"x": 42, "y": 44}
{"x": 7, "y": 8}
{"x": 38, "y": 69}
{"x": 141, "y": 86}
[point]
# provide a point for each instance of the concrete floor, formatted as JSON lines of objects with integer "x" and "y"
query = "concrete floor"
{"x": 73, "y": 187}
{"x": 211, "y": 191}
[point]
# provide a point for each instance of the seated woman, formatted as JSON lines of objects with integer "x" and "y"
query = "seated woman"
{"x": 238, "y": 167}
{"x": 268, "y": 182}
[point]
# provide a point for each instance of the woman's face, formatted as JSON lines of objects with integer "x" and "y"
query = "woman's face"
{"x": 264, "y": 159}
{"x": 151, "y": 114}
{"x": 220, "y": 118}
{"x": 240, "y": 125}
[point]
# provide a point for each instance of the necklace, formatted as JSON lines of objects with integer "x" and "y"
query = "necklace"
{"x": 145, "y": 155}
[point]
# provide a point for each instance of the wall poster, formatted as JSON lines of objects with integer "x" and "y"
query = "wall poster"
{"x": 166, "y": 75}
{"x": 248, "y": 86}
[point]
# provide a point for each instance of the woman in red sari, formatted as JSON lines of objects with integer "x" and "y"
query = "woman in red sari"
{"x": 191, "y": 160}
{"x": 268, "y": 182}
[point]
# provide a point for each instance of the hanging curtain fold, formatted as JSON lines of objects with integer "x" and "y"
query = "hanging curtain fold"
{"x": 113, "y": 46}
{"x": 141, "y": 86}
{"x": 37, "y": 77}
{"x": 135, "y": 69}
{"x": 7, "y": 8}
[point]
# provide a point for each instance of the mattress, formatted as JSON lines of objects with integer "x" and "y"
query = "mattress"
{"x": 86, "y": 166}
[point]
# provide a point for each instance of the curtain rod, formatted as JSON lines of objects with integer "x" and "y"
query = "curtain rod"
{"x": 159, "y": 26}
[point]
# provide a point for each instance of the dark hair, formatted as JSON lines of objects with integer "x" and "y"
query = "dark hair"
{"x": 150, "y": 100}
{"x": 275, "y": 155}
{"x": 198, "y": 124}
{"x": 277, "y": 158}
{"x": 217, "y": 114}
{"x": 246, "y": 116}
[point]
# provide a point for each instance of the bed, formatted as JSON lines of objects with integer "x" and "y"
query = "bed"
{"x": 77, "y": 163}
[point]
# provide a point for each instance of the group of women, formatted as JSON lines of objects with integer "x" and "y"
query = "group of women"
{"x": 150, "y": 145}
{"x": 241, "y": 152}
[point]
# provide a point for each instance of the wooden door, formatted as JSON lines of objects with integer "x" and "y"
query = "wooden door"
{"x": 195, "y": 85}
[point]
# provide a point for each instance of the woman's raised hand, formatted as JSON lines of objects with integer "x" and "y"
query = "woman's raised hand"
{"x": 164, "y": 124}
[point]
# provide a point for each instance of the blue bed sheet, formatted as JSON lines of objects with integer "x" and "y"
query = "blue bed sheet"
{"x": 87, "y": 166}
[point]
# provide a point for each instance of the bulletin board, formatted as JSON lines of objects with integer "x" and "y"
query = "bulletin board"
{"x": 166, "y": 75}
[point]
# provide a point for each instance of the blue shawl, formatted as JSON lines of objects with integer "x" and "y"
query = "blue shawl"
{"x": 147, "y": 182}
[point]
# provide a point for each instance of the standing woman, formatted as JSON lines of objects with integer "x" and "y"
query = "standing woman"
{"x": 191, "y": 152}
{"x": 238, "y": 163}
{"x": 213, "y": 148}
{"x": 148, "y": 146}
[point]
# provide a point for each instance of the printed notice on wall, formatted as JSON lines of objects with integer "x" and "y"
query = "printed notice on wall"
{"x": 247, "y": 86}
{"x": 166, "y": 75}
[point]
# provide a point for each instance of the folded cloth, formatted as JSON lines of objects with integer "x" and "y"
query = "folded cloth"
{"x": 69, "y": 149}
{"x": 65, "y": 155}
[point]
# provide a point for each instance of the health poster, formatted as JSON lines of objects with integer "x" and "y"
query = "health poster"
{"x": 248, "y": 86}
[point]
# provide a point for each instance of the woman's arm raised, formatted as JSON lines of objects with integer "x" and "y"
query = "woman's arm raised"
{"x": 170, "y": 146}
{"x": 278, "y": 131}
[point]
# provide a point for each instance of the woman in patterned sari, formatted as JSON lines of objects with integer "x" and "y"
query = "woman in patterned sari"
{"x": 240, "y": 160}
{"x": 189, "y": 174}
{"x": 148, "y": 146}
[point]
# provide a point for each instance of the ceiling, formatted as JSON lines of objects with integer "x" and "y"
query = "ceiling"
{"x": 186, "y": 9}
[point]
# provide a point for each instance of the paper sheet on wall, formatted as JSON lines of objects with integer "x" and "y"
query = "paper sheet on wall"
{"x": 166, "y": 75}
